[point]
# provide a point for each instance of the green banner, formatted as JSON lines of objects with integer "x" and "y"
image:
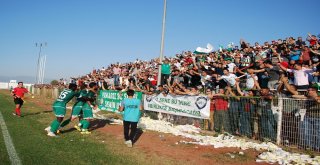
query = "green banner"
{"x": 110, "y": 100}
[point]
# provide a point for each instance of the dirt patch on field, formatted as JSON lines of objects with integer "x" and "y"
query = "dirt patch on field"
{"x": 169, "y": 146}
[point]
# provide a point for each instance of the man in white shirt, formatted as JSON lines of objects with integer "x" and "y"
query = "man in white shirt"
{"x": 301, "y": 80}
{"x": 205, "y": 78}
{"x": 230, "y": 78}
{"x": 231, "y": 66}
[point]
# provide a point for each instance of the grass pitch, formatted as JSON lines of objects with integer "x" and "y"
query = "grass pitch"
{"x": 34, "y": 147}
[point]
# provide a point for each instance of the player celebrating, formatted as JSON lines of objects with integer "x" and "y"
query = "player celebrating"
{"x": 59, "y": 108}
{"x": 77, "y": 107}
{"x": 87, "y": 108}
{"x": 18, "y": 94}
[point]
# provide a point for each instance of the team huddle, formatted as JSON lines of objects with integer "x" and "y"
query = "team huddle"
{"x": 82, "y": 109}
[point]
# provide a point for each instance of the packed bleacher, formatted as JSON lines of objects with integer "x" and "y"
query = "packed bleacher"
{"x": 243, "y": 83}
{"x": 289, "y": 66}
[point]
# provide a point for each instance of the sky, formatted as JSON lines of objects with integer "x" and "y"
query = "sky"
{"x": 86, "y": 34}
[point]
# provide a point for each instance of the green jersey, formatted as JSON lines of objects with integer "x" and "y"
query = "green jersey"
{"x": 65, "y": 96}
{"x": 165, "y": 69}
{"x": 82, "y": 94}
{"x": 92, "y": 97}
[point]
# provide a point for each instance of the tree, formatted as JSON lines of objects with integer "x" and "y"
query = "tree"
{"x": 54, "y": 82}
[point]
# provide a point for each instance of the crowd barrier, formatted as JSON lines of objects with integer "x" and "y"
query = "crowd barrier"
{"x": 285, "y": 121}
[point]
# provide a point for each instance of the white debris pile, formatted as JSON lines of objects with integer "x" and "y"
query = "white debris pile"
{"x": 96, "y": 115}
{"x": 283, "y": 157}
{"x": 273, "y": 153}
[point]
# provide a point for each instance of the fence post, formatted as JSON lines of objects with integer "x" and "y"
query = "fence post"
{"x": 32, "y": 89}
{"x": 279, "y": 124}
{"x": 55, "y": 93}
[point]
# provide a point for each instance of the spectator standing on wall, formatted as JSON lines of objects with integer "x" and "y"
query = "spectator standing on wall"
{"x": 165, "y": 71}
{"x": 116, "y": 74}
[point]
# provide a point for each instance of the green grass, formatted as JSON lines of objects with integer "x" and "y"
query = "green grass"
{"x": 34, "y": 147}
{"x": 4, "y": 157}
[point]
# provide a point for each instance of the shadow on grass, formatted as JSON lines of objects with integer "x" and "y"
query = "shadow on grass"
{"x": 96, "y": 124}
{"x": 36, "y": 113}
{"x": 68, "y": 130}
{"x": 138, "y": 135}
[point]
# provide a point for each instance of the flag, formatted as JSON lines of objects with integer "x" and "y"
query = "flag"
{"x": 207, "y": 50}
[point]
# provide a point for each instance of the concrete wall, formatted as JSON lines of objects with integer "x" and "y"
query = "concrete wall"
{"x": 11, "y": 85}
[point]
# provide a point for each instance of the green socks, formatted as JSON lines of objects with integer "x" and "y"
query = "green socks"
{"x": 54, "y": 126}
{"x": 85, "y": 124}
{"x": 66, "y": 122}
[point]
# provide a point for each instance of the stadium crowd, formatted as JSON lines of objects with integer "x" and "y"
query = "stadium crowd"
{"x": 257, "y": 73}
{"x": 290, "y": 64}
{"x": 286, "y": 67}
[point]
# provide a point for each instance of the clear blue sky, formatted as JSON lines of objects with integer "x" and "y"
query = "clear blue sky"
{"x": 87, "y": 34}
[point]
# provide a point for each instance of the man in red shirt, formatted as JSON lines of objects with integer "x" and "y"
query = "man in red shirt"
{"x": 220, "y": 116}
{"x": 18, "y": 93}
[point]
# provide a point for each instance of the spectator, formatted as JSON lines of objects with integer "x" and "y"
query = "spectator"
{"x": 165, "y": 71}
{"x": 221, "y": 118}
{"x": 247, "y": 112}
{"x": 228, "y": 77}
{"x": 300, "y": 75}
{"x": 300, "y": 42}
{"x": 116, "y": 74}
{"x": 312, "y": 39}
{"x": 267, "y": 120}
{"x": 271, "y": 73}
{"x": 209, "y": 123}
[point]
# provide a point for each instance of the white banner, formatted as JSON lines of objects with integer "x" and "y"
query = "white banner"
{"x": 191, "y": 106}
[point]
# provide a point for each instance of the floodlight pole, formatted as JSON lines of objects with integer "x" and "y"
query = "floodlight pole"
{"x": 38, "y": 64}
{"x": 162, "y": 40}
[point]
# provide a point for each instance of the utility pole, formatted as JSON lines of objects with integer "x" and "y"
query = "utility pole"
{"x": 162, "y": 40}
